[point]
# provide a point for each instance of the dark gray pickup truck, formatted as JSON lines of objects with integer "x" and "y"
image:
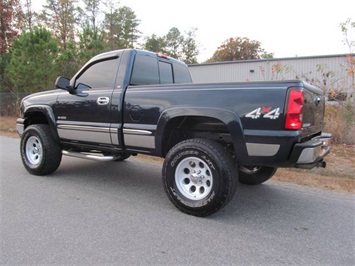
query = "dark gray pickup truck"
{"x": 129, "y": 102}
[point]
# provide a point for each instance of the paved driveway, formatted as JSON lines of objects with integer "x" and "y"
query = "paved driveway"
{"x": 117, "y": 213}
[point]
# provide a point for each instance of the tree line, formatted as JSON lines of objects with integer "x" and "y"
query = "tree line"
{"x": 38, "y": 46}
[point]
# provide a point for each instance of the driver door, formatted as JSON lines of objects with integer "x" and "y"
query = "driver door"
{"x": 84, "y": 116}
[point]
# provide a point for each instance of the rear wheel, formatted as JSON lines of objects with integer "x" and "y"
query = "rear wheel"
{"x": 40, "y": 153}
{"x": 199, "y": 176}
{"x": 255, "y": 175}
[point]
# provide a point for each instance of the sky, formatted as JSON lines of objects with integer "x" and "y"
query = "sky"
{"x": 287, "y": 28}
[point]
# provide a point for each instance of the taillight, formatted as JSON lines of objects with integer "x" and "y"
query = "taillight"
{"x": 294, "y": 110}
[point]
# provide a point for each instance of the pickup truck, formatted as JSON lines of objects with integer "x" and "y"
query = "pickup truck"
{"x": 128, "y": 102}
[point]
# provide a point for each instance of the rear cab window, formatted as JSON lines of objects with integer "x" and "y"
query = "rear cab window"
{"x": 182, "y": 74}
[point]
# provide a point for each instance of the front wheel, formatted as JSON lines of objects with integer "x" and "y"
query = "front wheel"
{"x": 40, "y": 153}
{"x": 255, "y": 175}
{"x": 199, "y": 176}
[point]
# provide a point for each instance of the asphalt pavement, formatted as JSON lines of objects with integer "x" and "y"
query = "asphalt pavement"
{"x": 116, "y": 213}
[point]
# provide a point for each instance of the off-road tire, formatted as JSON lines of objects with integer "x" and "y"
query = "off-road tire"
{"x": 255, "y": 175}
{"x": 40, "y": 153}
{"x": 199, "y": 176}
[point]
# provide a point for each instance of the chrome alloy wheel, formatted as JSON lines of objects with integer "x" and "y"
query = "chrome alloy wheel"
{"x": 34, "y": 150}
{"x": 193, "y": 178}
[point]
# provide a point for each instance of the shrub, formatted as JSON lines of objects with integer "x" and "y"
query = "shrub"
{"x": 340, "y": 122}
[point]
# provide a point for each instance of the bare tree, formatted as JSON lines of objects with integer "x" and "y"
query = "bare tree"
{"x": 347, "y": 27}
{"x": 10, "y": 17}
{"x": 60, "y": 17}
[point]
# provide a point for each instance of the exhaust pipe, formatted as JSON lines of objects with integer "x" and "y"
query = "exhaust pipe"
{"x": 89, "y": 156}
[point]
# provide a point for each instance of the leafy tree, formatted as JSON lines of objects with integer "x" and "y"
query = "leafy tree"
{"x": 189, "y": 48}
{"x": 347, "y": 27}
{"x": 267, "y": 55}
{"x": 154, "y": 43}
{"x": 68, "y": 61}
{"x": 32, "y": 66}
{"x": 174, "y": 41}
{"x": 174, "y": 44}
{"x": 60, "y": 18}
{"x": 28, "y": 15}
{"x": 129, "y": 27}
{"x": 92, "y": 8}
{"x": 5, "y": 84}
{"x": 10, "y": 24}
{"x": 238, "y": 49}
{"x": 91, "y": 43}
{"x": 111, "y": 24}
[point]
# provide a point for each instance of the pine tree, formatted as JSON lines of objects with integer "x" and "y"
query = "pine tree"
{"x": 189, "y": 48}
{"x": 121, "y": 25}
{"x": 32, "y": 65}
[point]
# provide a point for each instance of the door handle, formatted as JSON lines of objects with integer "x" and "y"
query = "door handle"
{"x": 103, "y": 100}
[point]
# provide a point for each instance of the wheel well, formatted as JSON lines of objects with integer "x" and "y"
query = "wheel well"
{"x": 35, "y": 118}
{"x": 188, "y": 127}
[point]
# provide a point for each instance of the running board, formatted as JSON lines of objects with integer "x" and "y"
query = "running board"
{"x": 90, "y": 156}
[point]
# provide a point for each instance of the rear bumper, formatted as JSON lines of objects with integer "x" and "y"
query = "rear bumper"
{"x": 311, "y": 153}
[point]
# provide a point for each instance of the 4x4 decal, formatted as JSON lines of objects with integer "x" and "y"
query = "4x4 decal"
{"x": 264, "y": 112}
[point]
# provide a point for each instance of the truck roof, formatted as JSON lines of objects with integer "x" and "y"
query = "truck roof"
{"x": 117, "y": 53}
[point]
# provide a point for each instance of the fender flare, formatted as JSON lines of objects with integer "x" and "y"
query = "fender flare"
{"x": 230, "y": 119}
{"x": 47, "y": 111}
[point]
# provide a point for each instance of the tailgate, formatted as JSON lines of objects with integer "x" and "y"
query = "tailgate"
{"x": 313, "y": 111}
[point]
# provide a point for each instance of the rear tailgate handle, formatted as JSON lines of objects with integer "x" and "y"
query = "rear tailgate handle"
{"x": 103, "y": 100}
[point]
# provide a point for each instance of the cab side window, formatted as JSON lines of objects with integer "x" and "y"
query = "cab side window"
{"x": 145, "y": 70}
{"x": 99, "y": 75}
{"x": 150, "y": 70}
{"x": 165, "y": 72}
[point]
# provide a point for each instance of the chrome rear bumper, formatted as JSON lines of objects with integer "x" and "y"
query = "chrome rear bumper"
{"x": 311, "y": 153}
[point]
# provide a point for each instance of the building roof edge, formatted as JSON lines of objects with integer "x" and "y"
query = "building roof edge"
{"x": 270, "y": 59}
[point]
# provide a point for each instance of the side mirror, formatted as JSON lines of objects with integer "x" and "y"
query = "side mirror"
{"x": 62, "y": 83}
{"x": 81, "y": 88}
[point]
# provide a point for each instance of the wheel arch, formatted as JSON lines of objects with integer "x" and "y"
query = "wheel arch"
{"x": 174, "y": 118}
{"x": 41, "y": 114}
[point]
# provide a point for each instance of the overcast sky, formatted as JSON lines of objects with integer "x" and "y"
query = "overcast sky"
{"x": 286, "y": 28}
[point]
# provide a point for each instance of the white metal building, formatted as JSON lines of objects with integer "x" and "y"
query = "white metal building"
{"x": 328, "y": 71}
